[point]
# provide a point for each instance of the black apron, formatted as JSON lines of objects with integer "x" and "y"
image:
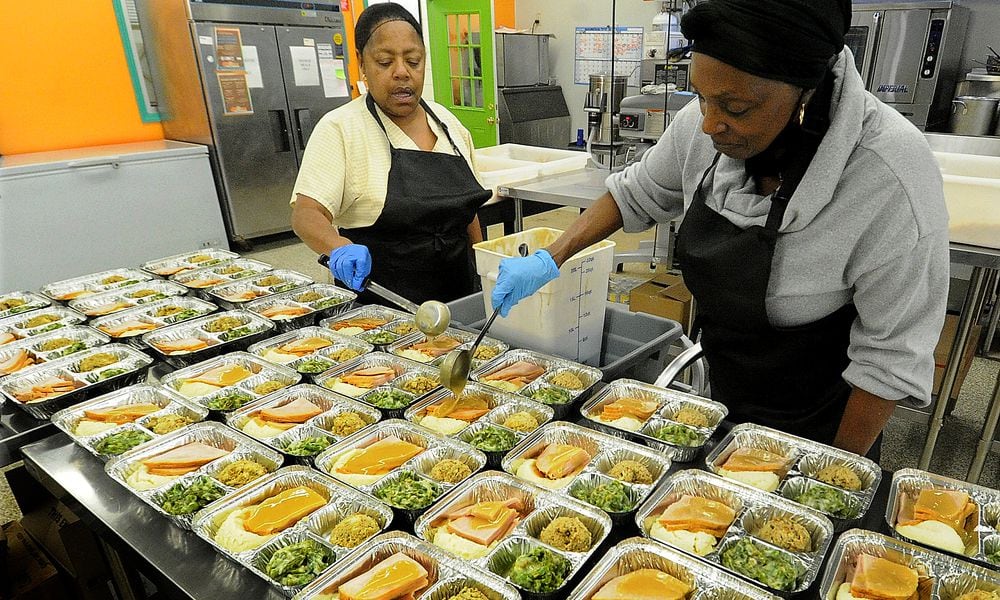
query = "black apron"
{"x": 788, "y": 378}
{"x": 420, "y": 242}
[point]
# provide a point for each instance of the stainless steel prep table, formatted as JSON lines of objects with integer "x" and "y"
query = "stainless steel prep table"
{"x": 18, "y": 429}
{"x": 184, "y": 566}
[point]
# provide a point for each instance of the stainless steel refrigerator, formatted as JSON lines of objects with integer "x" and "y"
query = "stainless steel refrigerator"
{"x": 249, "y": 79}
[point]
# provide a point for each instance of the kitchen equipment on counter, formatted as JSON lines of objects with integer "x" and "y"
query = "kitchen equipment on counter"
{"x": 973, "y": 115}
{"x": 601, "y": 105}
{"x": 908, "y": 55}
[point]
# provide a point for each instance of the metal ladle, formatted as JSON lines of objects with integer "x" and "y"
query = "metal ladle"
{"x": 432, "y": 317}
{"x": 456, "y": 366}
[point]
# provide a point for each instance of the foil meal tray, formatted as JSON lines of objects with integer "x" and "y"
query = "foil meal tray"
{"x": 754, "y": 509}
{"x": 199, "y": 281}
{"x": 393, "y": 389}
{"x": 250, "y": 330}
{"x": 704, "y": 579}
{"x": 331, "y": 301}
{"x": 606, "y": 453}
{"x": 55, "y": 317}
{"x": 129, "y": 367}
{"x": 69, "y": 418}
{"x": 73, "y": 339}
{"x": 123, "y": 468}
{"x": 15, "y": 303}
{"x": 669, "y": 404}
{"x": 546, "y": 387}
{"x": 981, "y": 529}
{"x": 446, "y": 576}
{"x": 316, "y": 526}
{"x": 939, "y": 576}
{"x": 115, "y": 301}
{"x": 152, "y": 317}
{"x": 95, "y": 283}
{"x": 307, "y": 365}
{"x": 188, "y": 261}
{"x": 404, "y": 347}
{"x": 540, "y": 508}
{"x": 237, "y": 294}
{"x": 388, "y": 320}
{"x": 805, "y": 460}
{"x": 260, "y": 370}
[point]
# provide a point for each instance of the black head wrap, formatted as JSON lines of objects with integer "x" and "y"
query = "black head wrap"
{"x": 784, "y": 40}
{"x": 377, "y": 15}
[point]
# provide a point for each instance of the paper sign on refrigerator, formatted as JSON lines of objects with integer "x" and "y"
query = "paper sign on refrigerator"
{"x": 332, "y": 72}
{"x": 305, "y": 68}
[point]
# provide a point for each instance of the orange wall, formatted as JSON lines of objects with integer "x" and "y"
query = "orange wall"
{"x": 64, "y": 82}
{"x": 503, "y": 12}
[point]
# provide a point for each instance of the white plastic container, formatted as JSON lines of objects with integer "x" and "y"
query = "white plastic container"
{"x": 566, "y": 316}
{"x": 548, "y": 160}
{"x": 972, "y": 193}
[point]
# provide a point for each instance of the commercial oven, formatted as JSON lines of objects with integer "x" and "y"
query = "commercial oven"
{"x": 908, "y": 55}
{"x": 249, "y": 79}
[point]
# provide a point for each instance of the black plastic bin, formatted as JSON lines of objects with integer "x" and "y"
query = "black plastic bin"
{"x": 634, "y": 345}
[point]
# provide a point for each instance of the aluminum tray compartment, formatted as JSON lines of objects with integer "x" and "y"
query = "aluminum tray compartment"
{"x": 78, "y": 287}
{"x": 21, "y": 326}
{"x": 501, "y": 405}
{"x": 753, "y": 507}
{"x": 200, "y": 281}
{"x": 257, "y": 328}
{"x": 605, "y": 451}
{"x": 931, "y": 567}
{"x": 669, "y": 403}
{"x": 193, "y": 308}
{"x": 180, "y": 263}
{"x": 15, "y": 352}
{"x": 134, "y": 363}
{"x": 331, "y": 403}
{"x": 541, "y": 507}
{"x": 333, "y": 301}
{"x": 553, "y": 367}
{"x": 391, "y": 317}
{"x": 239, "y": 446}
{"x": 68, "y": 418}
{"x": 82, "y": 337}
{"x": 807, "y": 458}
{"x": 260, "y": 370}
{"x": 705, "y": 580}
{"x": 446, "y": 576}
{"x": 235, "y": 295}
{"x": 133, "y": 296}
{"x": 341, "y": 500}
{"x": 465, "y": 339}
{"x": 338, "y": 343}
{"x": 437, "y": 448}
{"x": 26, "y": 302}
{"x": 331, "y": 379}
{"x": 981, "y": 526}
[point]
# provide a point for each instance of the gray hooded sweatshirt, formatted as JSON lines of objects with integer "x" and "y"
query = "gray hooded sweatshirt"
{"x": 867, "y": 225}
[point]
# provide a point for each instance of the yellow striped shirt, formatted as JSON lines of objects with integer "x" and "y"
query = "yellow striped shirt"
{"x": 346, "y": 163}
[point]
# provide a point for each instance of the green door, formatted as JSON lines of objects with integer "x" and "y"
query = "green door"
{"x": 461, "y": 43}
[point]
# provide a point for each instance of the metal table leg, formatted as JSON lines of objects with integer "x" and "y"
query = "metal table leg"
{"x": 965, "y": 322}
{"x": 986, "y": 440}
{"x": 991, "y": 330}
{"x": 518, "y": 215}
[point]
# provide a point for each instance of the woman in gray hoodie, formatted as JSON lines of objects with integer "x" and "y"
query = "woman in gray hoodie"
{"x": 815, "y": 234}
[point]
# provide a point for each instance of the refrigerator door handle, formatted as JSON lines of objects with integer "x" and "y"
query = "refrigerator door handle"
{"x": 279, "y": 131}
{"x": 110, "y": 161}
{"x": 300, "y": 124}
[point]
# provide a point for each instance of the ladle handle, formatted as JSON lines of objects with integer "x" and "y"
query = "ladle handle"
{"x": 377, "y": 289}
{"x": 482, "y": 333}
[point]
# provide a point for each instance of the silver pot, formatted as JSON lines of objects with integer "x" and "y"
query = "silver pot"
{"x": 973, "y": 115}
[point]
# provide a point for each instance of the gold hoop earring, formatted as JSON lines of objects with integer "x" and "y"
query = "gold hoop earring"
{"x": 802, "y": 114}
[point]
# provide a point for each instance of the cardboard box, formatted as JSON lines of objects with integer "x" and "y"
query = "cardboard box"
{"x": 26, "y": 571}
{"x": 943, "y": 349}
{"x": 664, "y": 296}
{"x": 72, "y": 545}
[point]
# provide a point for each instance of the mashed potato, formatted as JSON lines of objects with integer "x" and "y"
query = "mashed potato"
{"x": 628, "y": 423}
{"x": 529, "y": 473}
{"x": 696, "y": 543}
{"x": 507, "y": 386}
{"x": 351, "y": 330}
{"x": 87, "y": 427}
{"x": 234, "y": 537}
{"x": 141, "y": 479}
{"x": 935, "y": 534}
{"x": 355, "y": 479}
{"x": 195, "y": 389}
{"x": 762, "y": 480}
{"x": 262, "y": 432}
{"x": 416, "y": 355}
{"x": 459, "y": 546}
{"x": 282, "y": 358}
{"x": 445, "y": 426}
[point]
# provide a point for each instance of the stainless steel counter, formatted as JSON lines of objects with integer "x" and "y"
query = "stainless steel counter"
{"x": 576, "y": 188}
{"x": 18, "y": 429}
{"x": 177, "y": 561}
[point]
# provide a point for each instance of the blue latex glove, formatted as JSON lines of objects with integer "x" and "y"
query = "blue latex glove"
{"x": 522, "y": 277}
{"x": 351, "y": 264}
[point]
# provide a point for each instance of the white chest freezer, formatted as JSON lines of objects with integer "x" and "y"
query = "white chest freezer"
{"x": 72, "y": 212}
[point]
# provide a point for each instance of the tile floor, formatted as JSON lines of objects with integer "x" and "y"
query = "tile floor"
{"x": 903, "y": 439}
